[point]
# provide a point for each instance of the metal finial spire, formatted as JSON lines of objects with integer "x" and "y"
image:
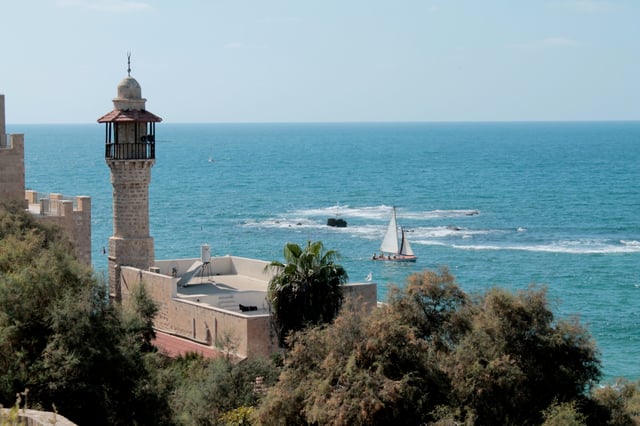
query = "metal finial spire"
{"x": 129, "y": 64}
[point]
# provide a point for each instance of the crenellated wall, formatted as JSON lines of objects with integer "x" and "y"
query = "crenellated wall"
{"x": 72, "y": 215}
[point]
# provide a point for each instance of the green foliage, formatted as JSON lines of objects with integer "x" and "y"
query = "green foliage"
{"x": 360, "y": 370}
{"x": 61, "y": 338}
{"x": 516, "y": 360}
{"x": 36, "y": 272}
{"x": 240, "y": 416}
{"x": 307, "y": 289}
{"x": 564, "y": 414}
{"x": 432, "y": 302}
{"x": 435, "y": 355}
{"x": 204, "y": 391}
{"x": 138, "y": 320}
{"x": 619, "y": 404}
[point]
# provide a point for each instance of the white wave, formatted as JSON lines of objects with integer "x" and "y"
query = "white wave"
{"x": 449, "y": 236}
{"x": 382, "y": 212}
{"x": 568, "y": 247}
{"x": 344, "y": 210}
{"x": 430, "y": 243}
{"x": 421, "y": 233}
{"x": 440, "y": 214}
{"x": 281, "y": 223}
{"x": 367, "y": 232}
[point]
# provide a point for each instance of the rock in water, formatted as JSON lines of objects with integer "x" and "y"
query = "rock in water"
{"x": 339, "y": 223}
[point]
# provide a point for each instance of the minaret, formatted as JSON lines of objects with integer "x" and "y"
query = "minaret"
{"x": 130, "y": 154}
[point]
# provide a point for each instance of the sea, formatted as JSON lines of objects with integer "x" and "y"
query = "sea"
{"x": 505, "y": 204}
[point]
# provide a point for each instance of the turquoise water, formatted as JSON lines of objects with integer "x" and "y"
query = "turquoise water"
{"x": 556, "y": 203}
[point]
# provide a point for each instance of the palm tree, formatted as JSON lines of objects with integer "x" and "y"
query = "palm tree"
{"x": 307, "y": 289}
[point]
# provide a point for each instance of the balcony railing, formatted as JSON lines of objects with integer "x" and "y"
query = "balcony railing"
{"x": 130, "y": 151}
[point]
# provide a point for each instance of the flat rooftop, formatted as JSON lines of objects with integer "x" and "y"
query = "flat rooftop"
{"x": 233, "y": 284}
{"x": 221, "y": 283}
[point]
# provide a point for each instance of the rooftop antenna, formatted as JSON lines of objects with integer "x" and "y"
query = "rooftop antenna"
{"x": 129, "y": 64}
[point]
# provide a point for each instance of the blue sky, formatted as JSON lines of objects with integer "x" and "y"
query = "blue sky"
{"x": 319, "y": 61}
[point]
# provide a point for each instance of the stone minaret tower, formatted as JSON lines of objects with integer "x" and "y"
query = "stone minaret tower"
{"x": 130, "y": 154}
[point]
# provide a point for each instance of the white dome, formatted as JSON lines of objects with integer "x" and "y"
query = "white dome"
{"x": 129, "y": 88}
{"x": 129, "y": 95}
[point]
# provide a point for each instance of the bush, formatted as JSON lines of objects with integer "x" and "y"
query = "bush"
{"x": 436, "y": 355}
{"x": 60, "y": 337}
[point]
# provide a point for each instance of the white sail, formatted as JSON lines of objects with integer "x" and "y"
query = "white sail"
{"x": 390, "y": 241}
{"x": 395, "y": 252}
{"x": 406, "y": 247}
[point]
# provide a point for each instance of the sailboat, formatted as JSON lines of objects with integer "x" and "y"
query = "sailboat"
{"x": 392, "y": 248}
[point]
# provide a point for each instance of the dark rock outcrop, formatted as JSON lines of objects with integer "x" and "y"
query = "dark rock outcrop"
{"x": 338, "y": 223}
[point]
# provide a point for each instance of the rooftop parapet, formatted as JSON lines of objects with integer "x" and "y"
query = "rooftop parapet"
{"x": 71, "y": 214}
{"x": 56, "y": 204}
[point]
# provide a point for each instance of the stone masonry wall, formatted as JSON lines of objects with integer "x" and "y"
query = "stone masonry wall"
{"x": 362, "y": 295}
{"x": 12, "y": 168}
{"x": 131, "y": 244}
{"x": 130, "y": 180}
{"x": 74, "y": 221}
{"x": 3, "y": 128}
{"x": 246, "y": 335}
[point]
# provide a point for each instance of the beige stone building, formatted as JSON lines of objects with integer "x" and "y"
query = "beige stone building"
{"x": 73, "y": 215}
{"x": 210, "y": 302}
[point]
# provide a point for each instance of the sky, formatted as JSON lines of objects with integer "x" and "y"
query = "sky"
{"x": 237, "y": 61}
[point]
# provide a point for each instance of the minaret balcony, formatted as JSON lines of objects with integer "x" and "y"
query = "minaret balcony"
{"x": 130, "y": 151}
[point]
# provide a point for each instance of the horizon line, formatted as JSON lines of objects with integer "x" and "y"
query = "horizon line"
{"x": 355, "y": 122}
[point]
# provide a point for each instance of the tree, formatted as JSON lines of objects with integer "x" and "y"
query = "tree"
{"x": 306, "y": 290}
{"x": 362, "y": 369}
{"x": 59, "y": 336}
{"x": 36, "y": 271}
{"x": 517, "y": 359}
{"x": 202, "y": 390}
{"x": 433, "y": 302}
{"x": 435, "y": 355}
{"x": 617, "y": 404}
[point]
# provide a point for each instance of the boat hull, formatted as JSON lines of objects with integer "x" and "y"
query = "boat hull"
{"x": 395, "y": 258}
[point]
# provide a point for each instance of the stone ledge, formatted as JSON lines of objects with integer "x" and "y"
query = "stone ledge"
{"x": 38, "y": 418}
